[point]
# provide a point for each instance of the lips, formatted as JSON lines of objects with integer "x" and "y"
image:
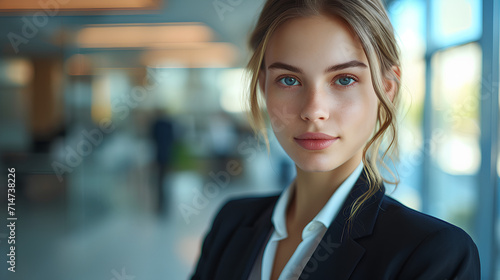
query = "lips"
{"x": 315, "y": 141}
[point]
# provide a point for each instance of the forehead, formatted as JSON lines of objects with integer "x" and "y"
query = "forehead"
{"x": 319, "y": 39}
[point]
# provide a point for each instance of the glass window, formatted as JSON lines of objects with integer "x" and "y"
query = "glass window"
{"x": 455, "y": 142}
{"x": 455, "y": 21}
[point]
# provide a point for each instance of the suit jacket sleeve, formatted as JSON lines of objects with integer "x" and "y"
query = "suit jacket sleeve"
{"x": 448, "y": 254}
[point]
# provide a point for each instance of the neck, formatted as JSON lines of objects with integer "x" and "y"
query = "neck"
{"x": 314, "y": 189}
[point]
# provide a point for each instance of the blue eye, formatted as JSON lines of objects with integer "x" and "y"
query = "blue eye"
{"x": 289, "y": 81}
{"x": 345, "y": 81}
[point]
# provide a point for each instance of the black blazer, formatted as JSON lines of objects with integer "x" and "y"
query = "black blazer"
{"x": 387, "y": 240}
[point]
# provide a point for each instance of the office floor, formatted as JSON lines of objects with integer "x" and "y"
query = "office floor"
{"x": 79, "y": 236}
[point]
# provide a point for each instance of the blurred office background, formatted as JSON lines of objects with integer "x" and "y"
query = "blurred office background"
{"x": 124, "y": 122}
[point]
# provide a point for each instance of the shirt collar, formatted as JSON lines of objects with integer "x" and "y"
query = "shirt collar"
{"x": 279, "y": 217}
{"x": 325, "y": 215}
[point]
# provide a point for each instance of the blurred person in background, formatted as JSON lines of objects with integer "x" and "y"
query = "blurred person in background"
{"x": 329, "y": 72}
{"x": 163, "y": 138}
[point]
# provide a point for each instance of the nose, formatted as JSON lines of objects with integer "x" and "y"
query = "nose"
{"x": 315, "y": 106}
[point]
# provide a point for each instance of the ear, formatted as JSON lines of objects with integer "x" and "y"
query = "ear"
{"x": 262, "y": 81}
{"x": 391, "y": 82}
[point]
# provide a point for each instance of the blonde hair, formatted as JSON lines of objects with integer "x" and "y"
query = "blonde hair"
{"x": 369, "y": 21}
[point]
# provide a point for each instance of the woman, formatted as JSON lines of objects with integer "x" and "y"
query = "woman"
{"x": 331, "y": 67}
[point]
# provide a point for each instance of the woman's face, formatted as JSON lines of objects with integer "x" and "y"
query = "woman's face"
{"x": 319, "y": 93}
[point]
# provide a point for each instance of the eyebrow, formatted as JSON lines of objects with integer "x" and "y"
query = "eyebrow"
{"x": 337, "y": 67}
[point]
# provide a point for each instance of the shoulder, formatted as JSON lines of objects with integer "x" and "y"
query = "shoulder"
{"x": 426, "y": 244}
{"x": 398, "y": 215}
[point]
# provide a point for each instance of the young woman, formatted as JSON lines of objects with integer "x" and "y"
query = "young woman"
{"x": 329, "y": 73}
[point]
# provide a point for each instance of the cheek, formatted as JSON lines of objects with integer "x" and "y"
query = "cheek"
{"x": 282, "y": 110}
{"x": 273, "y": 108}
{"x": 360, "y": 115}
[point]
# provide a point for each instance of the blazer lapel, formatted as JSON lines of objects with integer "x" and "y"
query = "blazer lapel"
{"x": 244, "y": 247}
{"x": 338, "y": 252}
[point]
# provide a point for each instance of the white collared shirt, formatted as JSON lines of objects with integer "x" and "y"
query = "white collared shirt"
{"x": 311, "y": 234}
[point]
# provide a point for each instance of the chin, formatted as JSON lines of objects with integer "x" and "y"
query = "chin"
{"x": 314, "y": 170}
{"x": 316, "y": 166}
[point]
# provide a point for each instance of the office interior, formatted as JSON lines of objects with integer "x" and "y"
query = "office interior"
{"x": 125, "y": 122}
